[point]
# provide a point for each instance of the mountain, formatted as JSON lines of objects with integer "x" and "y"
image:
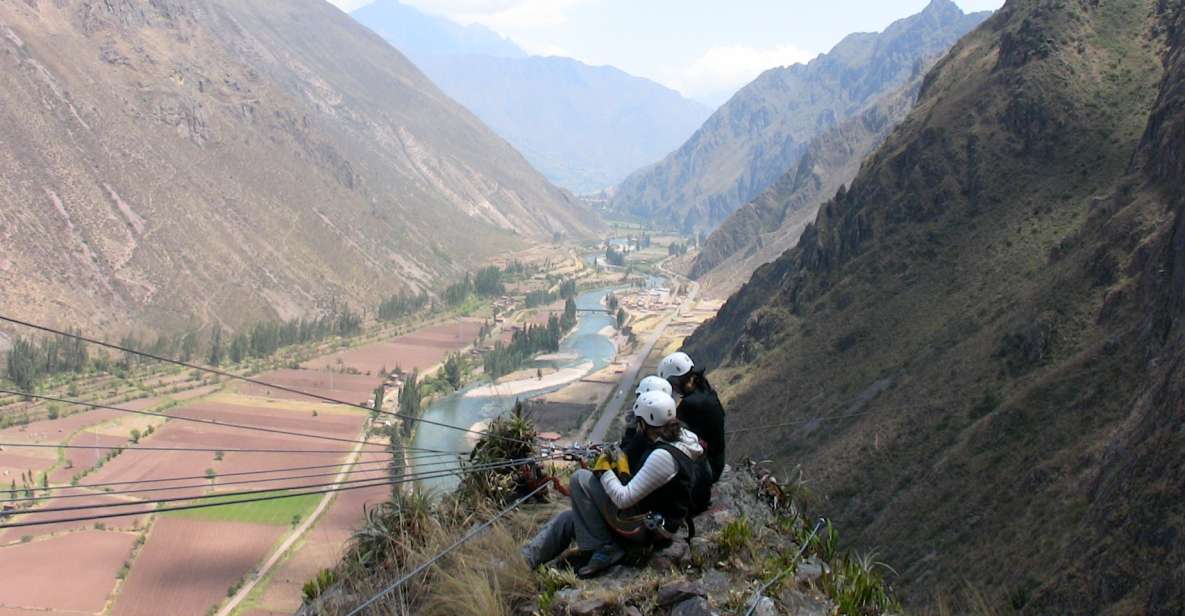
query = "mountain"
{"x": 420, "y": 35}
{"x": 170, "y": 163}
{"x": 762, "y": 132}
{"x": 762, "y": 229}
{"x": 585, "y": 127}
{"x": 977, "y": 351}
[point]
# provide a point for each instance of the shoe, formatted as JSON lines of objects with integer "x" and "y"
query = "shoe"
{"x": 601, "y": 560}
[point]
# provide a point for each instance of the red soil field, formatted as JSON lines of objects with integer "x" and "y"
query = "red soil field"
{"x": 14, "y": 461}
{"x": 9, "y": 535}
{"x": 322, "y": 546}
{"x": 420, "y": 349}
{"x": 82, "y": 459}
{"x": 34, "y": 573}
{"x": 187, "y": 565}
{"x": 346, "y": 387}
{"x": 134, "y": 466}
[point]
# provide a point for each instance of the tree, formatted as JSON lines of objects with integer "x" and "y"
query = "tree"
{"x": 621, "y": 316}
{"x": 216, "y": 345}
{"x": 539, "y": 373}
{"x": 211, "y": 474}
{"x": 135, "y": 435}
{"x": 453, "y": 370}
{"x": 218, "y": 455}
{"x": 569, "y": 318}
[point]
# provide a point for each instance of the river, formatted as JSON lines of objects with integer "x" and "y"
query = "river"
{"x": 588, "y": 345}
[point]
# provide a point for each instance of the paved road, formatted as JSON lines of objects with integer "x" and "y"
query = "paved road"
{"x": 621, "y": 394}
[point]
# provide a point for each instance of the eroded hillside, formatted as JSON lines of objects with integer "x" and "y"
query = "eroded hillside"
{"x": 168, "y": 163}
{"x": 978, "y": 346}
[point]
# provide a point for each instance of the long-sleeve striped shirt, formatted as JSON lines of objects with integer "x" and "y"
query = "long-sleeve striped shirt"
{"x": 659, "y": 468}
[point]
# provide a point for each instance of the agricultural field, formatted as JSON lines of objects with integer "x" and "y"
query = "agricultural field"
{"x": 189, "y": 560}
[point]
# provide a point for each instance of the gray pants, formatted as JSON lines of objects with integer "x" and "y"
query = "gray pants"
{"x": 593, "y": 522}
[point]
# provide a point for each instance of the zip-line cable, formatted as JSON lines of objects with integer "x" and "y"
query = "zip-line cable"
{"x": 439, "y": 555}
{"x": 145, "y": 448}
{"x": 460, "y": 469}
{"x": 189, "y": 477}
{"x": 211, "y": 422}
{"x": 104, "y": 516}
{"x": 247, "y": 379}
{"x": 212, "y": 482}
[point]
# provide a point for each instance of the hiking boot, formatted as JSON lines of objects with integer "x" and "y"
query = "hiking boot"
{"x": 601, "y": 560}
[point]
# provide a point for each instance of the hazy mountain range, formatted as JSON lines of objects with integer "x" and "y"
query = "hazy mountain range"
{"x": 764, "y": 129}
{"x": 584, "y": 127}
{"x": 169, "y": 162}
{"x": 976, "y": 352}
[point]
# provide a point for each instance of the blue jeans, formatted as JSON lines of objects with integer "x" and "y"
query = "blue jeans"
{"x": 593, "y": 522}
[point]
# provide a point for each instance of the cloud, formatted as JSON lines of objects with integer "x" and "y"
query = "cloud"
{"x": 721, "y": 70}
{"x": 350, "y": 5}
{"x": 502, "y": 14}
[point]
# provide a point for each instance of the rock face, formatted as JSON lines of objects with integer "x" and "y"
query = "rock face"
{"x": 170, "y": 163}
{"x": 721, "y": 572}
{"x": 1010, "y": 261}
{"x": 761, "y": 133}
{"x": 585, "y": 127}
{"x": 761, "y": 230}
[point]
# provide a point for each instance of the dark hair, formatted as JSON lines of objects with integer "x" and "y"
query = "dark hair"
{"x": 669, "y": 432}
{"x": 701, "y": 381}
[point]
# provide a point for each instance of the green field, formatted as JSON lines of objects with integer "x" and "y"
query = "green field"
{"x": 279, "y": 511}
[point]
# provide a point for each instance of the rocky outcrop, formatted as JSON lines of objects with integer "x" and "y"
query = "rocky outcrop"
{"x": 760, "y": 134}
{"x": 1015, "y": 267}
{"x": 750, "y": 536}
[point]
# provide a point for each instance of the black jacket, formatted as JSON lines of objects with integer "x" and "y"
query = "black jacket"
{"x": 703, "y": 414}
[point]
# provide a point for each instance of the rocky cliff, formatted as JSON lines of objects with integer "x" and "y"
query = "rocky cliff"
{"x": 761, "y": 230}
{"x": 761, "y": 133}
{"x": 171, "y": 163}
{"x": 977, "y": 347}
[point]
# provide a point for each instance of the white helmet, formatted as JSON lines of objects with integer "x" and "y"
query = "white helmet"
{"x": 675, "y": 364}
{"x": 655, "y": 408}
{"x": 654, "y": 383}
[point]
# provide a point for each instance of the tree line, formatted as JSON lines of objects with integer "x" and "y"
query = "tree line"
{"x": 526, "y": 342}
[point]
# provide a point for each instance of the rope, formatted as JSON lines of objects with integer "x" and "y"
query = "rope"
{"x": 456, "y": 544}
{"x": 793, "y": 567}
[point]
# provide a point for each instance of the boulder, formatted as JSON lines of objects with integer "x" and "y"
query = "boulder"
{"x": 697, "y": 606}
{"x": 680, "y": 591}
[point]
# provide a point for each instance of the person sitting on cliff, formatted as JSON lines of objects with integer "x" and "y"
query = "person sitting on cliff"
{"x": 699, "y": 406}
{"x": 648, "y": 510}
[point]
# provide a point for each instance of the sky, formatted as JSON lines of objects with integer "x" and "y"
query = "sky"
{"x": 704, "y": 49}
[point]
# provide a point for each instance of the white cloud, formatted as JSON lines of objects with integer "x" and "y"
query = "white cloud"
{"x": 501, "y": 14}
{"x": 350, "y": 5}
{"x": 722, "y": 70}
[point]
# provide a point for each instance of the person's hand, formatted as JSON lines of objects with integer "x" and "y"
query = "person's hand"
{"x": 603, "y": 463}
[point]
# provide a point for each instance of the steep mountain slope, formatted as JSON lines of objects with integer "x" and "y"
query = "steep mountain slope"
{"x": 585, "y": 127}
{"x": 169, "y": 162}
{"x": 761, "y": 230}
{"x": 977, "y": 351}
{"x": 764, "y": 129}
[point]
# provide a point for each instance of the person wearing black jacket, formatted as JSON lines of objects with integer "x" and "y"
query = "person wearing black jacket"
{"x": 699, "y": 406}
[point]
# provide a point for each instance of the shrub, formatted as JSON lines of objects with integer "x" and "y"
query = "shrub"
{"x": 320, "y": 583}
{"x": 734, "y": 537}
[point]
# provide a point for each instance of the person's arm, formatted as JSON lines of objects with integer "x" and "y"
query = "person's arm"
{"x": 656, "y": 472}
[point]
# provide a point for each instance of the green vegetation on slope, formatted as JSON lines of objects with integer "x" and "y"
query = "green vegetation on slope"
{"x": 976, "y": 318}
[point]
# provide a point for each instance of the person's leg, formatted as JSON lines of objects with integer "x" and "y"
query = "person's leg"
{"x": 589, "y": 512}
{"x": 552, "y": 540}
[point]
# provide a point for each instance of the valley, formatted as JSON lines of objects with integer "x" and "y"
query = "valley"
{"x": 319, "y": 308}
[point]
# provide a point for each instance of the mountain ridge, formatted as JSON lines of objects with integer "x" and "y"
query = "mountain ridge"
{"x": 980, "y": 339}
{"x": 585, "y": 127}
{"x": 138, "y": 128}
{"x": 754, "y": 138}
